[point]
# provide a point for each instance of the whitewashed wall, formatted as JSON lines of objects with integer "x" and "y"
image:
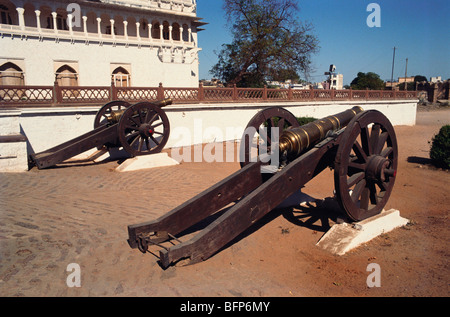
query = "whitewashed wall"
{"x": 94, "y": 63}
{"x": 13, "y": 155}
{"x": 189, "y": 124}
{"x": 47, "y": 127}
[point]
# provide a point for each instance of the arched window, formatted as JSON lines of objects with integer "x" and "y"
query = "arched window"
{"x": 155, "y": 30}
{"x": 11, "y": 74}
{"x": 91, "y": 22}
{"x": 5, "y": 16}
{"x": 118, "y": 26}
{"x": 121, "y": 77}
{"x": 165, "y": 30}
{"x": 66, "y": 76}
{"x": 61, "y": 22}
{"x": 185, "y": 33}
{"x": 176, "y": 32}
{"x": 143, "y": 28}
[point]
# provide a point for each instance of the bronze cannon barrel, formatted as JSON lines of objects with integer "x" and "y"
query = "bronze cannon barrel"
{"x": 115, "y": 116}
{"x": 295, "y": 140}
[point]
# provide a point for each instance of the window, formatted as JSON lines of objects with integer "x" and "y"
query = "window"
{"x": 121, "y": 77}
{"x": 66, "y": 76}
{"x": 185, "y": 33}
{"x": 166, "y": 30}
{"x": 143, "y": 29}
{"x": 61, "y": 23}
{"x": 155, "y": 30}
{"x": 176, "y": 32}
{"x": 11, "y": 74}
{"x": 5, "y": 17}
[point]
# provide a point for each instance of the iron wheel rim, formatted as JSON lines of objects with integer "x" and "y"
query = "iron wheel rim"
{"x": 264, "y": 117}
{"x": 366, "y": 165}
{"x": 143, "y": 129}
{"x": 105, "y": 111}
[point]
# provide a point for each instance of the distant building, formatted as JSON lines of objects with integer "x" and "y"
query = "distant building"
{"x": 319, "y": 85}
{"x": 435, "y": 79}
{"x": 299, "y": 86}
{"x": 96, "y": 42}
{"x": 337, "y": 81}
{"x": 401, "y": 80}
{"x": 278, "y": 84}
{"x": 334, "y": 81}
{"x": 406, "y": 79}
{"x": 214, "y": 82}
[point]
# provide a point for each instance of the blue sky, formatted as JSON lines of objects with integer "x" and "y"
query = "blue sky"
{"x": 420, "y": 31}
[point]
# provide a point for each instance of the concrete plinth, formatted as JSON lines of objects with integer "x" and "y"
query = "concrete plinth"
{"x": 13, "y": 144}
{"x": 344, "y": 237}
{"x": 146, "y": 161}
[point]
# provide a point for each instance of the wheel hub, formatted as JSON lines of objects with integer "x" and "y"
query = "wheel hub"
{"x": 378, "y": 168}
{"x": 145, "y": 130}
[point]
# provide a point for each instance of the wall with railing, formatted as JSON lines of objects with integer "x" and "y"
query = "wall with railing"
{"x": 30, "y": 96}
{"x": 33, "y": 119}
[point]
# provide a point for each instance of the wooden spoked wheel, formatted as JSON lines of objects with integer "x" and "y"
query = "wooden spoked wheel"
{"x": 101, "y": 118}
{"x": 366, "y": 165}
{"x": 259, "y": 132}
{"x": 143, "y": 129}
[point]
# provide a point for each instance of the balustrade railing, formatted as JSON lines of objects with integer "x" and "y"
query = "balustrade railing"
{"x": 21, "y": 96}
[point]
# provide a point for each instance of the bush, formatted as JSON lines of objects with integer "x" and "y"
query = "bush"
{"x": 440, "y": 147}
{"x": 305, "y": 120}
{"x": 301, "y": 121}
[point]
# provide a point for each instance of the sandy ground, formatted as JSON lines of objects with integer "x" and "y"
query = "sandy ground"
{"x": 80, "y": 213}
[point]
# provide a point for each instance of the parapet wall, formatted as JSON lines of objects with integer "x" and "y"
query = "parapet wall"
{"x": 45, "y": 127}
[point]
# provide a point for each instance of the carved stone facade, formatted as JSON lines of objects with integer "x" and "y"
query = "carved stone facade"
{"x": 87, "y": 43}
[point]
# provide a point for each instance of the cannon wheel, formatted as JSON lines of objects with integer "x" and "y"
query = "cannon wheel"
{"x": 143, "y": 129}
{"x": 366, "y": 165}
{"x": 270, "y": 117}
{"x": 105, "y": 111}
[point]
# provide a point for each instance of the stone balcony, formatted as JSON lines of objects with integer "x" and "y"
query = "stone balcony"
{"x": 16, "y": 31}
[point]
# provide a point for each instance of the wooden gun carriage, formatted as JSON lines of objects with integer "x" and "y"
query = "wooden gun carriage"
{"x": 359, "y": 145}
{"x": 141, "y": 129}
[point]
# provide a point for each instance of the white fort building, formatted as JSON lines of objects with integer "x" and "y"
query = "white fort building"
{"x": 138, "y": 43}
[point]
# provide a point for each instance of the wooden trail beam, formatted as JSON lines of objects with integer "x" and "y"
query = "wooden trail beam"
{"x": 196, "y": 209}
{"x": 252, "y": 207}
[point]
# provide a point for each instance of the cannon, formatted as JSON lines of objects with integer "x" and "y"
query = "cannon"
{"x": 359, "y": 145}
{"x": 141, "y": 129}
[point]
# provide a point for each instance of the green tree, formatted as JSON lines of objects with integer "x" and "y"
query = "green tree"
{"x": 440, "y": 147}
{"x": 367, "y": 81}
{"x": 419, "y": 78}
{"x": 268, "y": 42}
{"x": 409, "y": 86}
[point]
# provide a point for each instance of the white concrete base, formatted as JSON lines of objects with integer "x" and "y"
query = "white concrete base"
{"x": 13, "y": 154}
{"x": 13, "y": 157}
{"x": 344, "y": 237}
{"x": 146, "y": 161}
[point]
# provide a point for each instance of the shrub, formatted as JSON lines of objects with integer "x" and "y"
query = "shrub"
{"x": 440, "y": 147}
{"x": 301, "y": 121}
{"x": 305, "y": 120}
